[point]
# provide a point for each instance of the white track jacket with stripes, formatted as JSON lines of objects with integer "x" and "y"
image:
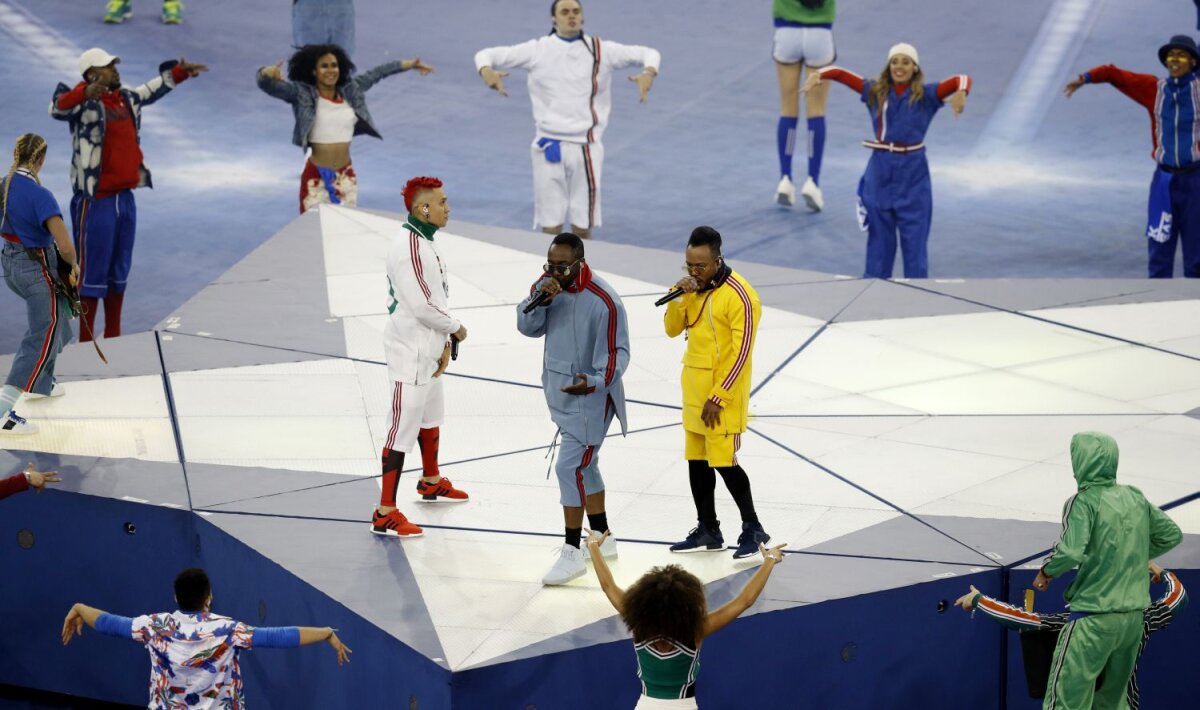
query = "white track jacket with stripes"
{"x": 419, "y": 321}
{"x": 570, "y": 81}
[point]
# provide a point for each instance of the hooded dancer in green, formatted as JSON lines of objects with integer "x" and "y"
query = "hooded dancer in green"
{"x": 1110, "y": 532}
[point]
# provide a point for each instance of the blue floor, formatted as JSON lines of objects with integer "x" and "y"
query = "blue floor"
{"x": 1065, "y": 197}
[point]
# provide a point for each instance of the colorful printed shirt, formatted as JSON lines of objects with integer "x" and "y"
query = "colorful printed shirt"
{"x": 1156, "y": 617}
{"x": 799, "y": 13}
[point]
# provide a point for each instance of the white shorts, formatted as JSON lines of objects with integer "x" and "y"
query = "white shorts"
{"x": 811, "y": 45}
{"x": 414, "y": 407}
{"x": 567, "y": 192}
{"x": 646, "y": 702}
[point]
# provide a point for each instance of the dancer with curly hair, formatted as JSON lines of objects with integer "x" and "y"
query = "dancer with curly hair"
{"x": 667, "y": 613}
{"x": 330, "y": 108}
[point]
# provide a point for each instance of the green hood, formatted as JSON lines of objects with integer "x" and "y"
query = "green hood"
{"x": 1094, "y": 459}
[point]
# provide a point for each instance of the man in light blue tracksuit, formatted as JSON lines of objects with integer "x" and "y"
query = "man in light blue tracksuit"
{"x": 586, "y": 352}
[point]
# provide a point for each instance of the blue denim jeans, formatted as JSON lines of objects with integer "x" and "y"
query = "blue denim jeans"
{"x": 49, "y": 318}
{"x": 324, "y": 22}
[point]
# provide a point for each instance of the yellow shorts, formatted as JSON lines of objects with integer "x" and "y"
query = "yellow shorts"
{"x": 720, "y": 450}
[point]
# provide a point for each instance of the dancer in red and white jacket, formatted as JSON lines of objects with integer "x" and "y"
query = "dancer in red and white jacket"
{"x": 570, "y": 86}
{"x": 416, "y": 344}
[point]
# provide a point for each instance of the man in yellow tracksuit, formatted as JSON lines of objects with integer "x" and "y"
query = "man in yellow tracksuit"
{"x": 718, "y": 315}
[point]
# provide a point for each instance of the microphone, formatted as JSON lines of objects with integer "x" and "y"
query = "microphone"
{"x": 671, "y": 296}
{"x": 538, "y": 300}
{"x": 453, "y": 348}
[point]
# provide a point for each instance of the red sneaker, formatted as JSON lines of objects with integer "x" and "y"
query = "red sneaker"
{"x": 394, "y": 523}
{"x": 441, "y": 492}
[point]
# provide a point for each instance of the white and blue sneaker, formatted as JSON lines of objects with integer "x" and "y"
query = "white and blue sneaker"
{"x": 702, "y": 539}
{"x": 16, "y": 424}
{"x": 570, "y": 565}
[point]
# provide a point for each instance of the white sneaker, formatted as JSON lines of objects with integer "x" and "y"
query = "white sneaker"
{"x": 608, "y": 549}
{"x": 14, "y": 424}
{"x": 785, "y": 194}
{"x": 812, "y": 195}
{"x": 570, "y": 566}
{"x": 57, "y": 391}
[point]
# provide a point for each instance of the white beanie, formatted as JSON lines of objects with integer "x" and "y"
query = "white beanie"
{"x": 907, "y": 50}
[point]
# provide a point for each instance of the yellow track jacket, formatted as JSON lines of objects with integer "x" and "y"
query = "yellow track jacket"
{"x": 721, "y": 325}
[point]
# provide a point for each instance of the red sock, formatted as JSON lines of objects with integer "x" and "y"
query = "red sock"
{"x": 393, "y": 462}
{"x": 112, "y": 314}
{"x": 429, "y": 440}
{"x": 89, "y": 317}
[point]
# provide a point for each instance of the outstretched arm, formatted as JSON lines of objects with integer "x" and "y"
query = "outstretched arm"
{"x": 370, "y": 78}
{"x": 956, "y": 89}
{"x": 1142, "y": 88}
{"x": 616, "y": 595}
{"x": 79, "y": 615}
{"x": 722, "y": 617}
{"x": 1008, "y": 615}
{"x": 842, "y": 76}
{"x": 270, "y": 80}
{"x": 489, "y": 63}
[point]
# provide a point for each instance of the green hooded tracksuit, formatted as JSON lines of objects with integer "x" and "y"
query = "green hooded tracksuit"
{"x": 1110, "y": 532}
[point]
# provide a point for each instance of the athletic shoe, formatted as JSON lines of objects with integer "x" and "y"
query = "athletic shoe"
{"x": 443, "y": 491}
{"x": 569, "y": 566}
{"x": 785, "y": 194}
{"x": 14, "y": 424}
{"x": 702, "y": 539}
{"x": 608, "y": 549}
{"x": 812, "y": 195}
{"x": 118, "y": 11}
{"x": 394, "y": 524}
{"x": 56, "y": 391}
{"x": 748, "y": 541}
{"x": 172, "y": 12}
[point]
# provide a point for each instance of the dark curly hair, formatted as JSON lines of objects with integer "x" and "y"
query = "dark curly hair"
{"x": 304, "y": 62}
{"x": 666, "y": 602}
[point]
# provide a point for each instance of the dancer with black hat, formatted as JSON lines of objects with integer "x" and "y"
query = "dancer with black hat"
{"x": 1174, "y": 205}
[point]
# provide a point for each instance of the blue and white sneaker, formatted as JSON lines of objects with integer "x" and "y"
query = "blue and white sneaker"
{"x": 702, "y": 539}
{"x": 748, "y": 542}
{"x": 16, "y": 424}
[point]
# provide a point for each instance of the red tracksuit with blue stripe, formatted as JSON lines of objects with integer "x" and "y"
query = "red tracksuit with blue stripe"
{"x": 1174, "y": 108}
{"x": 895, "y": 192}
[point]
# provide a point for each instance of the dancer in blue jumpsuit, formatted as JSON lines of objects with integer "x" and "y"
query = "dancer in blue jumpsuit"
{"x": 586, "y": 337}
{"x": 895, "y": 195}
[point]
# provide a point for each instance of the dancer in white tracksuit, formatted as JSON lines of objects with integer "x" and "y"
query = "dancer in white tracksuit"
{"x": 570, "y": 86}
{"x": 416, "y": 343}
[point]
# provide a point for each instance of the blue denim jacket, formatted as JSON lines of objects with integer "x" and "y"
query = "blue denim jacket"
{"x": 303, "y": 98}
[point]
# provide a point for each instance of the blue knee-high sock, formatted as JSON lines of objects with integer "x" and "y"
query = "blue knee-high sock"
{"x": 816, "y": 147}
{"x": 785, "y": 141}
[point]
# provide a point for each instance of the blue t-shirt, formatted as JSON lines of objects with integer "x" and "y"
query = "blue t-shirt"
{"x": 29, "y": 206}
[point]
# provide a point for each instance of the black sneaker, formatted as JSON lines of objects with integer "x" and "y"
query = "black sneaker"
{"x": 748, "y": 541}
{"x": 702, "y": 539}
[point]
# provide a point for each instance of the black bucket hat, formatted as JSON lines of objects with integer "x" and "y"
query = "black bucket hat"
{"x": 1183, "y": 42}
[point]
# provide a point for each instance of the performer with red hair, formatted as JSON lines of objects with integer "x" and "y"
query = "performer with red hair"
{"x": 416, "y": 343}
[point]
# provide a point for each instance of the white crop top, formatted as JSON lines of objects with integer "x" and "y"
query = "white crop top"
{"x": 334, "y": 122}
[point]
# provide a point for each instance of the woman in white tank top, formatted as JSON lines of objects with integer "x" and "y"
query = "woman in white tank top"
{"x": 330, "y": 109}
